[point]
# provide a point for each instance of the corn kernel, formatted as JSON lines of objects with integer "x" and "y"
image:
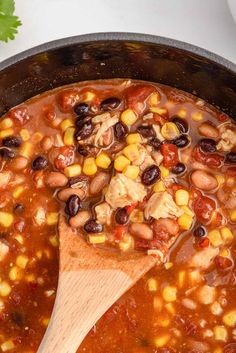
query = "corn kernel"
{"x": 226, "y": 234}
{"x": 159, "y": 186}
{"x": 136, "y": 216}
{"x": 53, "y": 239}
{"x": 6, "y": 219}
{"x": 18, "y": 191}
{"x": 229, "y": 318}
{"x": 128, "y": 117}
{"x": 6, "y": 133}
{"x": 97, "y": 239}
{"x": 157, "y": 304}
{"x": 215, "y": 238}
{"x": 52, "y": 218}
{"x": 131, "y": 152}
{"x": 152, "y": 285}
{"x": 90, "y": 167}
{"x": 6, "y": 123}
{"x": 170, "y": 131}
{"x": 5, "y": 289}
{"x": 65, "y": 124}
{"x": 69, "y": 136}
{"x": 120, "y": 163}
{"x": 15, "y": 273}
{"x": 45, "y": 321}
{"x": 187, "y": 210}
{"x": 154, "y": 99}
{"x": 131, "y": 171}
{"x": 39, "y": 254}
{"x": 30, "y": 277}
{"x": 103, "y": 160}
{"x": 225, "y": 253}
{"x": 164, "y": 171}
{"x": 19, "y": 238}
{"x": 21, "y": 261}
{"x": 233, "y": 215}
{"x": 182, "y": 197}
{"x": 168, "y": 265}
{"x": 126, "y": 243}
{"x": 161, "y": 341}
{"x": 195, "y": 277}
{"x": 73, "y": 170}
{"x": 89, "y": 96}
{"x": 185, "y": 221}
{"x": 157, "y": 110}
{"x": 26, "y": 149}
{"x": 220, "y": 333}
{"x": 133, "y": 138}
{"x": 220, "y": 179}
{"x": 197, "y": 116}
{"x": 182, "y": 113}
{"x": 7, "y": 346}
{"x": 163, "y": 320}
{"x": 25, "y": 135}
{"x": 181, "y": 278}
{"x": 170, "y": 308}
{"x": 169, "y": 293}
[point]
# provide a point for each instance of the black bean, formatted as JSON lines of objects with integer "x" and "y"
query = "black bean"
{"x": 18, "y": 208}
{"x": 150, "y": 175}
{"x": 181, "y": 124}
{"x": 7, "y": 153}
{"x": 207, "y": 145}
{"x": 39, "y": 163}
{"x": 121, "y": 216}
{"x": 179, "y": 168}
{"x": 84, "y": 128}
{"x": 181, "y": 141}
{"x": 91, "y": 226}
{"x": 12, "y": 141}
{"x": 146, "y": 131}
{"x": 110, "y": 104}
{"x": 73, "y": 205}
{"x": 83, "y": 151}
{"x": 199, "y": 232}
{"x": 120, "y": 131}
{"x": 230, "y": 158}
{"x": 155, "y": 143}
{"x": 81, "y": 109}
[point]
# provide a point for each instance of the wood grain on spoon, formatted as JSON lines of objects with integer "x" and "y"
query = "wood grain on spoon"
{"x": 90, "y": 281}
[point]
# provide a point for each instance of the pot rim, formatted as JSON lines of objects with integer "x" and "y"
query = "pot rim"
{"x": 118, "y": 36}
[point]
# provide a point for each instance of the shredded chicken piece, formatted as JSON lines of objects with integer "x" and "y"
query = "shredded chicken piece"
{"x": 148, "y": 116}
{"x": 4, "y": 249}
{"x": 162, "y": 205}
{"x": 227, "y": 141}
{"x": 103, "y": 213}
{"x": 158, "y": 157}
{"x": 104, "y": 127}
{"x": 123, "y": 191}
{"x": 101, "y": 118}
{"x": 5, "y": 178}
{"x": 40, "y": 216}
{"x": 157, "y": 129}
{"x": 142, "y": 155}
{"x": 203, "y": 259}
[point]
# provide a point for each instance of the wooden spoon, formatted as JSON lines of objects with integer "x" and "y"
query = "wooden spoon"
{"x": 90, "y": 281}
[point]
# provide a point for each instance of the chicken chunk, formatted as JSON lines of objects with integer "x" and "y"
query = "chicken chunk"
{"x": 40, "y": 216}
{"x": 103, "y": 213}
{"x": 227, "y": 141}
{"x": 4, "y": 249}
{"x": 162, "y": 205}
{"x": 204, "y": 258}
{"x": 5, "y": 178}
{"x": 123, "y": 191}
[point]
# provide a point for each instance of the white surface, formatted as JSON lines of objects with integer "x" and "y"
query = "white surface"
{"x": 206, "y": 23}
{"x": 232, "y": 6}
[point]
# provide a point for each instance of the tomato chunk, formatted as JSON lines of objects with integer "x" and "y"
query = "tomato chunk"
{"x": 65, "y": 157}
{"x": 212, "y": 160}
{"x": 203, "y": 207}
{"x": 137, "y": 95}
{"x": 170, "y": 154}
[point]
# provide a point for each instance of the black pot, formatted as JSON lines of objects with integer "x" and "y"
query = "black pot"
{"x": 122, "y": 55}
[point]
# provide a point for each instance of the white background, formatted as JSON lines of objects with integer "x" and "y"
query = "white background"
{"x": 206, "y": 23}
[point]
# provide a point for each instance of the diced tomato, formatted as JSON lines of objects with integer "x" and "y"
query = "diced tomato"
{"x": 119, "y": 231}
{"x": 19, "y": 115}
{"x": 204, "y": 243}
{"x": 68, "y": 99}
{"x": 231, "y": 171}
{"x": 65, "y": 157}
{"x": 49, "y": 112}
{"x": 203, "y": 207}
{"x": 223, "y": 117}
{"x": 212, "y": 160}
{"x": 216, "y": 219}
{"x": 170, "y": 155}
{"x": 130, "y": 208}
{"x": 160, "y": 119}
{"x": 137, "y": 95}
{"x": 223, "y": 262}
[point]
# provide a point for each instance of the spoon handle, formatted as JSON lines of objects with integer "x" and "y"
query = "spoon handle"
{"x": 83, "y": 297}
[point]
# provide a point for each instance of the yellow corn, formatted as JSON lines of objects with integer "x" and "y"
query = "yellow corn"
{"x": 24, "y": 134}
{"x": 26, "y": 149}
{"x": 233, "y": 215}
{"x": 97, "y": 239}
{"x": 181, "y": 278}
{"x": 170, "y": 308}
{"x": 6, "y": 133}
{"x": 163, "y": 320}
{"x": 157, "y": 304}
{"x": 182, "y": 113}
{"x": 19, "y": 238}
{"x": 73, "y": 170}
{"x": 52, "y": 218}
{"x": 226, "y": 234}
{"x": 6, "y": 219}
{"x": 197, "y": 116}
{"x": 30, "y": 277}
{"x": 88, "y": 96}
{"x": 15, "y": 273}
{"x": 170, "y": 131}
{"x": 161, "y": 341}
{"x": 169, "y": 293}
{"x": 69, "y": 136}
{"x": 220, "y": 179}
{"x": 185, "y": 221}
{"x": 128, "y": 117}
{"x": 159, "y": 186}
{"x": 7, "y": 346}
{"x": 131, "y": 171}
{"x": 21, "y": 261}
{"x": 133, "y": 138}
{"x": 215, "y": 238}
{"x": 131, "y": 152}
{"x": 120, "y": 163}
{"x": 164, "y": 171}
{"x": 5, "y": 289}
{"x": 195, "y": 277}
{"x": 136, "y": 216}
{"x": 18, "y": 191}
{"x": 6, "y": 123}
{"x": 187, "y": 210}
{"x": 90, "y": 166}
{"x": 157, "y": 110}
{"x": 220, "y": 333}
{"x": 229, "y": 318}
{"x": 154, "y": 99}
{"x": 53, "y": 239}
{"x": 45, "y": 321}
{"x": 65, "y": 124}
{"x": 103, "y": 160}
{"x": 152, "y": 284}
{"x": 126, "y": 243}
{"x": 182, "y": 197}
{"x": 168, "y": 265}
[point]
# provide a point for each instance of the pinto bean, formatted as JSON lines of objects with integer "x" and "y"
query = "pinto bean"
{"x": 165, "y": 225}
{"x": 99, "y": 182}
{"x": 64, "y": 194}
{"x": 141, "y": 230}
{"x": 56, "y": 180}
{"x": 204, "y": 180}
{"x": 19, "y": 163}
{"x": 208, "y": 130}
